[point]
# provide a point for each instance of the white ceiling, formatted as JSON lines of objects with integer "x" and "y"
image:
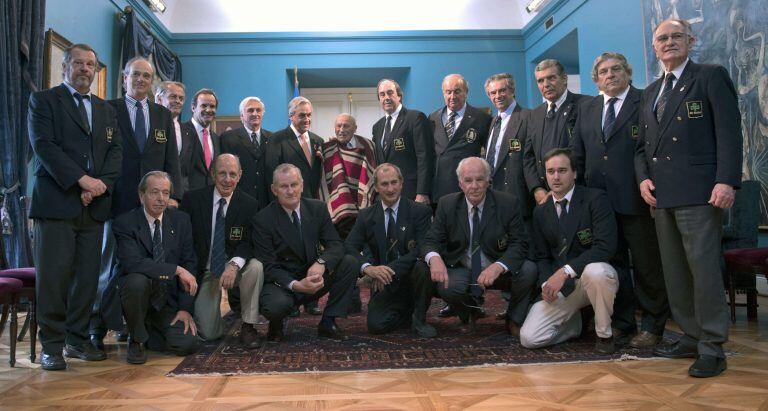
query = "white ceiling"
{"x": 227, "y": 16}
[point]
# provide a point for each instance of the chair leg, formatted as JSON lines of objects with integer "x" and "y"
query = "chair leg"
{"x": 3, "y": 318}
{"x": 24, "y": 328}
{"x": 14, "y": 329}
{"x": 732, "y": 297}
{"x": 32, "y": 329}
{"x": 752, "y": 305}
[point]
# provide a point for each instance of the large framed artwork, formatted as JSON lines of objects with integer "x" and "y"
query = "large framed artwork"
{"x": 224, "y": 123}
{"x": 55, "y": 44}
{"x": 731, "y": 33}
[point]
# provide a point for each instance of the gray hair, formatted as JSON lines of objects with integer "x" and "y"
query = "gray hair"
{"x": 286, "y": 168}
{"x": 162, "y": 88}
{"x": 611, "y": 55}
{"x": 251, "y": 98}
{"x": 462, "y": 81}
{"x": 351, "y": 118}
{"x": 294, "y": 104}
{"x": 127, "y": 69}
{"x": 548, "y": 63}
{"x": 467, "y": 160}
{"x": 510, "y": 80}
{"x": 398, "y": 90}
{"x": 156, "y": 173}
{"x": 221, "y": 157}
{"x": 686, "y": 25}
{"x": 383, "y": 166}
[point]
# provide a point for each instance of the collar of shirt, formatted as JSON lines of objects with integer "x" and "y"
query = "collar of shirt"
{"x": 394, "y": 114}
{"x": 677, "y": 71}
{"x": 72, "y": 91}
{"x": 249, "y": 131}
{"x": 479, "y": 208}
{"x": 131, "y": 102}
{"x": 295, "y": 132}
{"x": 617, "y": 105}
{"x": 559, "y": 102}
{"x": 394, "y": 208}
{"x": 459, "y": 115}
{"x": 217, "y": 197}
{"x": 200, "y": 128}
{"x": 352, "y": 143}
{"x": 567, "y": 196}
{"x": 508, "y": 112}
{"x": 151, "y": 221}
{"x": 289, "y": 212}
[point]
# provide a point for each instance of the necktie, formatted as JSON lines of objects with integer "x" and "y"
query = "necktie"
{"x": 297, "y": 224}
{"x": 610, "y": 118}
{"x": 385, "y": 138}
{"x": 217, "y": 249}
{"x": 255, "y": 140}
{"x": 391, "y": 236}
{"x": 491, "y": 156}
{"x": 305, "y": 147}
{"x": 662, "y": 103}
{"x": 563, "y": 212}
{"x": 81, "y": 109}
{"x": 140, "y": 127}
{"x": 551, "y": 112}
{"x": 207, "y": 156}
{"x": 475, "y": 290}
{"x": 160, "y": 289}
{"x": 451, "y": 125}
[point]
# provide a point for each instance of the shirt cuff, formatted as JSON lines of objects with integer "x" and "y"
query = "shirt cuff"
{"x": 362, "y": 269}
{"x": 239, "y": 262}
{"x": 290, "y": 285}
{"x": 569, "y": 271}
{"x": 429, "y": 256}
{"x": 502, "y": 266}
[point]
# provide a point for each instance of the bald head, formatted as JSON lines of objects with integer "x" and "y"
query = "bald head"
{"x": 455, "y": 90}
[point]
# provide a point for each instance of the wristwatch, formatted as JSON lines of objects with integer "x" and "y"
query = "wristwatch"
{"x": 320, "y": 261}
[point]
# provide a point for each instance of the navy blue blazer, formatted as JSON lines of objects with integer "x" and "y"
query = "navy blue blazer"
{"x": 698, "y": 142}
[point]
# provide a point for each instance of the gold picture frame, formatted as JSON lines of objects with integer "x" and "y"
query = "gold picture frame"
{"x": 55, "y": 44}
{"x": 224, "y": 123}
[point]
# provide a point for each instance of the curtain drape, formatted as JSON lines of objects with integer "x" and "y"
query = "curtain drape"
{"x": 139, "y": 41}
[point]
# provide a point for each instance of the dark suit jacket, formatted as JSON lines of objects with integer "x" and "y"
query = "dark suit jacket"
{"x": 508, "y": 175}
{"x": 198, "y": 174}
{"x": 237, "y": 225}
{"x": 134, "y": 251}
{"x": 603, "y": 161}
{"x": 412, "y": 150}
{"x": 159, "y": 153}
{"x": 567, "y": 115}
{"x": 502, "y": 234}
{"x": 588, "y": 234}
{"x": 698, "y": 142}
{"x": 278, "y": 246}
{"x": 252, "y": 160}
{"x": 467, "y": 141}
{"x": 412, "y": 224}
{"x": 64, "y": 152}
{"x": 285, "y": 148}
{"x": 185, "y": 157}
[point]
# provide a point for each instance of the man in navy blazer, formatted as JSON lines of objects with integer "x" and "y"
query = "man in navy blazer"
{"x": 468, "y": 128}
{"x": 78, "y": 155}
{"x": 148, "y": 145}
{"x": 205, "y": 142}
{"x": 386, "y": 240}
{"x": 688, "y": 164}
{"x": 575, "y": 236}
{"x": 604, "y": 143}
{"x": 155, "y": 262}
{"x": 402, "y": 138}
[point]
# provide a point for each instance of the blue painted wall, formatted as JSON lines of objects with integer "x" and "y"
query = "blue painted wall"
{"x": 236, "y": 65}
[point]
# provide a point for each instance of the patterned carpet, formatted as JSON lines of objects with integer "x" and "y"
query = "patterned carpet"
{"x": 302, "y": 351}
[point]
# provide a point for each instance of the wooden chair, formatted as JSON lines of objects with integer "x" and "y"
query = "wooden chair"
{"x": 741, "y": 262}
{"x": 9, "y": 298}
{"x": 28, "y": 277}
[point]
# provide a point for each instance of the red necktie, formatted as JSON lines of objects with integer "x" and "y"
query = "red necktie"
{"x": 206, "y": 149}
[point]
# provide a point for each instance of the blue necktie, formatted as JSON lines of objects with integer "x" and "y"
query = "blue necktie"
{"x": 475, "y": 290}
{"x": 160, "y": 289}
{"x": 217, "y": 250}
{"x": 662, "y": 103}
{"x": 610, "y": 118}
{"x": 140, "y": 127}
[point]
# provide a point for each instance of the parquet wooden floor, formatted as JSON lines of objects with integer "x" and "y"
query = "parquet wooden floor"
{"x": 646, "y": 385}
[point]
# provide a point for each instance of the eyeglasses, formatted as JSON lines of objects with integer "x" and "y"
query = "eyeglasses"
{"x": 676, "y": 37}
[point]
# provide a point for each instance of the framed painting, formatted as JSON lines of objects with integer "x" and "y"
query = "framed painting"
{"x": 55, "y": 45}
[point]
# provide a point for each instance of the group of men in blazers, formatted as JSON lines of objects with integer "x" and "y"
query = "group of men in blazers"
{"x": 546, "y": 205}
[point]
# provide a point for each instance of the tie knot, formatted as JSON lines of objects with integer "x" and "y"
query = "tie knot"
{"x": 222, "y": 202}
{"x": 670, "y": 76}
{"x": 563, "y": 203}
{"x": 294, "y": 216}
{"x": 552, "y": 106}
{"x": 139, "y": 105}
{"x": 389, "y": 211}
{"x": 612, "y": 100}
{"x": 157, "y": 224}
{"x": 389, "y": 118}
{"x": 475, "y": 210}
{"x": 452, "y": 116}
{"x": 81, "y": 97}
{"x": 205, "y": 131}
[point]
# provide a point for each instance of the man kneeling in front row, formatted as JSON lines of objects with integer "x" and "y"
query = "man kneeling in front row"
{"x": 155, "y": 260}
{"x": 575, "y": 237}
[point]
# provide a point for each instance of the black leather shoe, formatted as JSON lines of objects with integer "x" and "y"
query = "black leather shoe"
{"x": 707, "y": 366}
{"x": 605, "y": 345}
{"x": 249, "y": 336}
{"x": 275, "y": 333}
{"x": 52, "y": 362}
{"x": 122, "y": 335}
{"x": 312, "y": 309}
{"x": 295, "y": 312}
{"x": 447, "y": 311}
{"x": 97, "y": 341}
{"x": 333, "y": 332}
{"x": 422, "y": 329}
{"x": 137, "y": 354}
{"x": 676, "y": 350}
{"x": 85, "y": 352}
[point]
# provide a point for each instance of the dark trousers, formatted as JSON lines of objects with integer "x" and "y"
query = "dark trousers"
{"x": 689, "y": 241}
{"x": 67, "y": 275}
{"x": 148, "y": 325}
{"x": 520, "y": 286}
{"x": 106, "y": 313}
{"x": 277, "y": 302}
{"x": 639, "y": 235}
{"x": 392, "y": 307}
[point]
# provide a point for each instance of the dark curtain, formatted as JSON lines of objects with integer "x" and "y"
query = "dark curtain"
{"x": 139, "y": 41}
{"x": 21, "y": 60}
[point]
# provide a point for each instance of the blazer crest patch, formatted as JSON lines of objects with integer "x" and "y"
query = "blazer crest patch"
{"x": 411, "y": 245}
{"x": 695, "y": 109}
{"x": 236, "y": 233}
{"x": 399, "y": 144}
{"x": 635, "y": 130}
{"x": 514, "y": 145}
{"x": 503, "y": 242}
{"x": 471, "y": 135}
{"x": 585, "y": 236}
{"x": 109, "y": 131}
{"x": 160, "y": 136}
